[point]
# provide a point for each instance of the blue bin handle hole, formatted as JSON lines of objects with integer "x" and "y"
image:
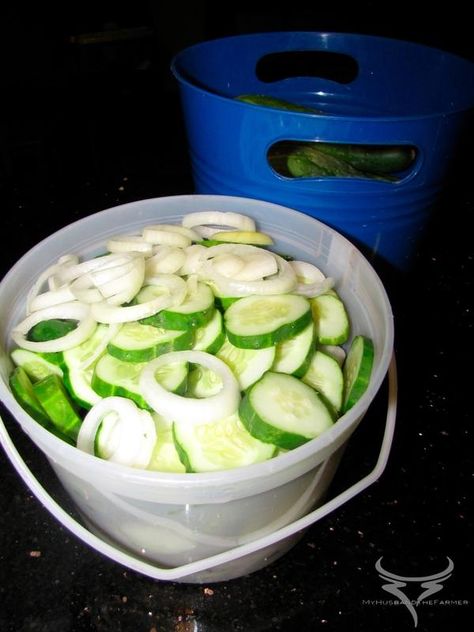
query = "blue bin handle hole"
{"x": 296, "y": 159}
{"x": 338, "y": 67}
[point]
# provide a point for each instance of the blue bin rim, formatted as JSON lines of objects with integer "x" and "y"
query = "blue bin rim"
{"x": 183, "y": 77}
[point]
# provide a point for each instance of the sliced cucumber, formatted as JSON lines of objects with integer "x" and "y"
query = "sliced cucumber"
{"x": 221, "y": 445}
{"x": 294, "y": 355}
{"x": 223, "y": 302}
{"x": 357, "y": 370}
{"x": 282, "y": 410}
{"x": 257, "y": 322}
{"x": 165, "y": 457}
{"x": 24, "y": 394}
{"x": 210, "y": 337}
{"x": 325, "y": 375}
{"x": 203, "y": 382}
{"x": 173, "y": 376}
{"x": 35, "y": 365}
{"x": 252, "y": 237}
{"x": 248, "y": 365}
{"x": 195, "y": 311}
{"x": 51, "y": 329}
{"x": 23, "y": 391}
{"x": 136, "y": 342}
{"x": 85, "y": 354}
{"x": 331, "y": 319}
{"x": 78, "y": 383}
{"x": 112, "y": 376}
{"x": 61, "y": 410}
{"x": 335, "y": 351}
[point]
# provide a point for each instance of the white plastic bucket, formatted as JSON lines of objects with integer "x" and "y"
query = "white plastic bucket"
{"x": 211, "y": 526}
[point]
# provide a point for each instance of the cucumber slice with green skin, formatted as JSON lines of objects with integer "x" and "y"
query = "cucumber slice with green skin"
{"x": 282, "y": 410}
{"x": 210, "y": 337}
{"x": 248, "y": 365}
{"x": 223, "y": 302}
{"x": 254, "y": 238}
{"x": 136, "y": 342}
{"x": 173, "y": 377}
{"x": 83, "y": 354}
{"x": 60, "y": 408}
{"x": 357, "y": 370}
{"x": 35, "y": 365}
{"x": 22, "y": 390}
{"x": 335, "y": 351}
{"x": 55, "y": 357}
{"x": 331, "y": 319}
{"x": 325, "y": 375}
{"x": 51, "y": 329}
{"x": 78, "y": 383}
{"x": 165, "y": 457}
{"x": 294, "y": 355}
{"x": 112, "y": 376}
{"x": 257, "y": 322}
{"x": 203, "y": 382}
{"x": 221, "y": 445}
{"x": 195, "y": 311}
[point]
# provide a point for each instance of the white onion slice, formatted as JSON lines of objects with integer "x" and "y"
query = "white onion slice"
{"x": 117, "y": 284}
{"x": 257, "y": 266}
{"x": 174, "y": 292}
{"x": 123, "y": 289}
{"x": 281, "y": 282}
{"x": 228, "y": 265}
{"x": 48, "y": 276}
{"x": 84, "y": 290}
{"x": 50, "y": 298}
{"x": 165, "y": 260}
{"x": 219, "y": 218}
{"x": 129, "y": 243}
{"x": 188, "y": 409}
{"x": 71, "y": 272}
{"x": 311, "y": 280}
{"x": 208, "y": 232}
{"x": 73, "y": 310}
{"x": 111, "y": 271}
{"x": 131, "y": 431}
{"x": 195, "y": 256}
{"x": 159, "y": 235}
{"x": 175, "y": 228}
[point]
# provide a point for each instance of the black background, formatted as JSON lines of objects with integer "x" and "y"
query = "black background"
{"x": 85, "y": 126}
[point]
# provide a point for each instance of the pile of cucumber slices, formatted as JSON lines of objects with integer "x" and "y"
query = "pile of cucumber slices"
{"x": 187, "y": 348}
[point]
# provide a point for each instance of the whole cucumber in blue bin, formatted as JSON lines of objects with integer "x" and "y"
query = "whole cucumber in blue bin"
{"x": 312, "y": 159}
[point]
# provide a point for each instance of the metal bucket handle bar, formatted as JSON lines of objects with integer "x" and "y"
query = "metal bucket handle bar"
{"x": 175, "y": 573}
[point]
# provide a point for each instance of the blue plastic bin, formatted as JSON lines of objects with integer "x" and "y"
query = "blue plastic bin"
{"x": 402, "y": 93}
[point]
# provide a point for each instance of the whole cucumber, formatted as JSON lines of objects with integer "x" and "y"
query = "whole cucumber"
{"x": 274, "y": 102}
{"x": 381, "y": 159}
{"x": 307, "y": 161}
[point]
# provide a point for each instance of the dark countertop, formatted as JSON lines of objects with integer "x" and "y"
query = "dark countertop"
{"x": 95, "y": 139}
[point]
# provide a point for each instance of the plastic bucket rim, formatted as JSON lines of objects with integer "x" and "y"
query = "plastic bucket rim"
{"x": 196, "y": 480}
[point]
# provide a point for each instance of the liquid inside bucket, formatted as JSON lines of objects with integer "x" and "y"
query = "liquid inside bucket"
{"x": 172, "y": 521}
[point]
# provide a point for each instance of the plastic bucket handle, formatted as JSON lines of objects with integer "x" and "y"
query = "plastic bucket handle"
{"x": 178, "y": 572}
